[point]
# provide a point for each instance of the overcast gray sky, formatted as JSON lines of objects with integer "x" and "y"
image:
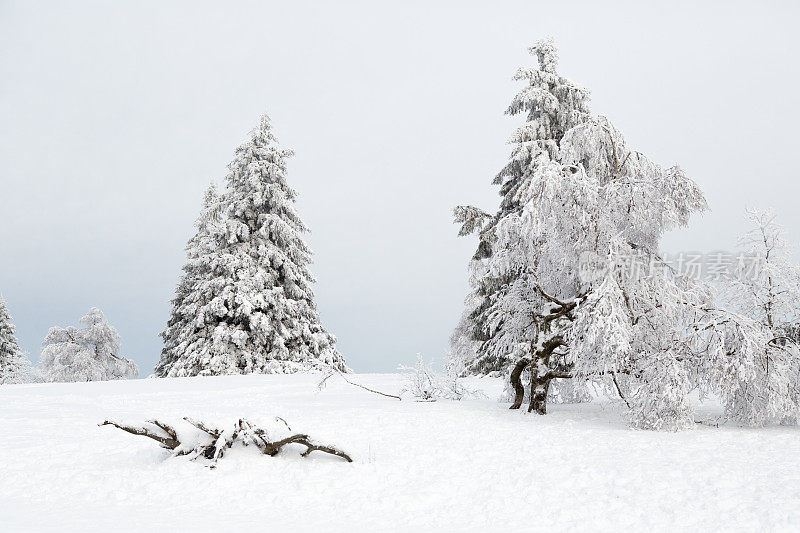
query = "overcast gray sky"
{"x": 114, "y": 117}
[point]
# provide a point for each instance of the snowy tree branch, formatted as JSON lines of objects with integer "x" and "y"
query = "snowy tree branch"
{"x": 321, "y": 384}
{"x": 167, "y": 442}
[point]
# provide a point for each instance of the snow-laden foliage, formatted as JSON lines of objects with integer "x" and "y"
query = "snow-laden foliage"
{"x": 767, "y": 290}
{"x": 90, "y": 353}
{"x": 585, "y": 293}
{"x": 760, "y": 381}
{"x": 246, "y": 302}
{"x": 552, "y": 106}
{"x": 13, "y": 363}
{"x": 187, "y": 340}
{"x": 603, "y": 204}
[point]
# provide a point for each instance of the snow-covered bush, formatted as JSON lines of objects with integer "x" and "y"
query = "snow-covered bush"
{"x": 424, "y": 383}
{"x": 245, "y": 302}
{"x": 90, "y": 353}
{"x": 14, "y": 366}
{"x": 421, "y": 380}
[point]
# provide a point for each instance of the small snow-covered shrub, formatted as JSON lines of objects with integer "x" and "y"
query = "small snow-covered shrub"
{"x": 421, "y": 380}
{"x": 425, "y": 384}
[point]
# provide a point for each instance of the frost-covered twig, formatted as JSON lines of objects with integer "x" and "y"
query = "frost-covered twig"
{"x": 323, "y": 382}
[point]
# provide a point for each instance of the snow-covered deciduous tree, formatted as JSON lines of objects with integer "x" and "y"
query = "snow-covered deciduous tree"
{"x": 601, "y": 204}
{"x": 766, "y": 288}
{"x": 552, "y": 105}
{"x": 254, "y": 309}
{"x": 586, "y": 295}
{"x": 760, "y": 383}
{"x": 13, "y": 363}
{"x": 90, "y": 353}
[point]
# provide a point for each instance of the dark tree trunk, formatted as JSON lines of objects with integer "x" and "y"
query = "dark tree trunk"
{"x": 541, "y": 374}
{"x": 516, "y": 382}
{"x": 539, "y": 387}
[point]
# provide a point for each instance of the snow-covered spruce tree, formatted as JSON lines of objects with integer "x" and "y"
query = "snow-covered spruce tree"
{"x": 187, "y": 338}
{"x": 257, "y": 312}
{"x": 12, "y": 361}
{"x": 552, "y": 105}
{"x": 90, "y": 353}
{"x": 762, "y": 385}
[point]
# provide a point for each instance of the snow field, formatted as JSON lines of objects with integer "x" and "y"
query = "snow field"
{"x": 447, "y": 466}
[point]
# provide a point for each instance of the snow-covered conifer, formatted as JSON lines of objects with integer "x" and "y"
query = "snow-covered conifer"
{"x": 90, "y": 353}
{"x": 552, "y": 105}
{"x": 257, "y": 313}
{"x": 12, "y": 361}
{"x": 186, "y": 338}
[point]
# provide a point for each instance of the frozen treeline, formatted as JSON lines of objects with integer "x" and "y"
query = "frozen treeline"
{"x": 568, "y": 282}
{"x": 245, "y": 303}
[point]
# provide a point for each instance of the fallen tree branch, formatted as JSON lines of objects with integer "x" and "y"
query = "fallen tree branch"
{"x": 275, "y": 447}
{"x": 221, "y": 440}
{"x": 167, "y": 442}
{"x": 199, "y": 425}
{"x": 321, "y": 385}
{"x": 169, "y": 430}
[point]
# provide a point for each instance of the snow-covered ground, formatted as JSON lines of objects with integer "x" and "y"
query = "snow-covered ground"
{"x": 447, "y": 466}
